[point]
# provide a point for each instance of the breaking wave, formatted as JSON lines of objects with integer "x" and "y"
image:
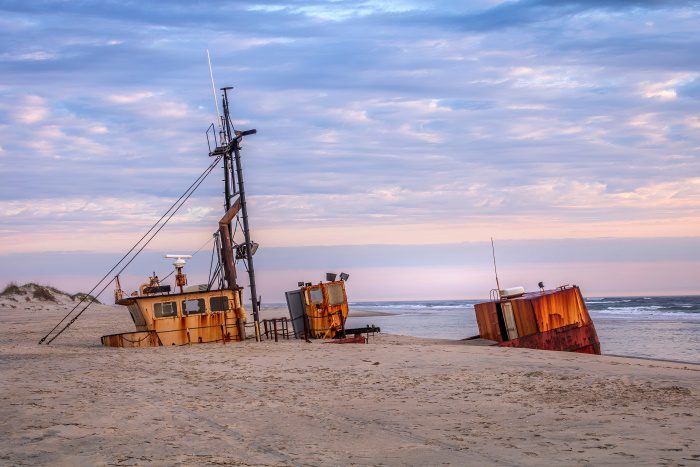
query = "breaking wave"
{"x": 685, "y": 307}
{"x": 671, "y": 307}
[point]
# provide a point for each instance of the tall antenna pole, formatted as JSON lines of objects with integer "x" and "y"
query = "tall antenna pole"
{"x": 234, "y": 139}
{"x": 228, "y": 170}
{"x": 493, "y": 252}
{"x": 213, "y": 90}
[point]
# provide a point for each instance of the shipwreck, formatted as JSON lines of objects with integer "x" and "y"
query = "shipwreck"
{"x": 211, "y": 312}
{"x": 546, "y": 319}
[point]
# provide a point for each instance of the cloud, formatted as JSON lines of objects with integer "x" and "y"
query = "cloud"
{"x": 33, "y": 110}
{"x": 130, "y": 98}
{"x": 37, "y": 55}
{"x": 150, "y": 104}
{"x": 651, "y": 127}
{"x": 518, "y": 14}
{"x": 684, "y": 194}
{"x": 666, "y": 90}
{"x": 252, "y": 42}
{"x": 375, "y": 120}
{"x": 546, "y": 77}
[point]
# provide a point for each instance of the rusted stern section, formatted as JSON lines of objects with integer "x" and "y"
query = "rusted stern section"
{"x": 547, "y": 320}
{"x": 132, "y": 339}
{"x": 187, "y": 335}
{"x": 569, "y": 338}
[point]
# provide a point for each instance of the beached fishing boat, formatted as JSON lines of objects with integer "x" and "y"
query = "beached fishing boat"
{"x": 546, "y": 319}
{"x": 211, "y": 312}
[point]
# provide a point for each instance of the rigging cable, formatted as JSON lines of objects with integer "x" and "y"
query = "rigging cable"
{"x": 203, "y": 245}
{"x": 202, "y": 177}
{"x": 124, "y": 257}
{"x": 211, "y": 263}
{"x": 186, "y": 195}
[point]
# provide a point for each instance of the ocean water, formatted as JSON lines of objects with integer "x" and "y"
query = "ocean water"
{"x": 650, "y": 327}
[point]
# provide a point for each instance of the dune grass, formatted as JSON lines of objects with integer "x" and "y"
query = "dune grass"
{"x": 41, "y": 292}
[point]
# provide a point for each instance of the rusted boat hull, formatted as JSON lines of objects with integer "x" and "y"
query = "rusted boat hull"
{"x": 132, "y": 339}
{"x": 202, "y": 335}
{"x": 547, "y": 320}
{"x": 570, "y": 338}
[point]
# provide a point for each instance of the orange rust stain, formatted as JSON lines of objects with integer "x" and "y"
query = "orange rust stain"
{"x": 487, "y": 320}
{"x": 524, "y": 315}
{"x": 559, "y": 309}
{"x": 325, "y": 319}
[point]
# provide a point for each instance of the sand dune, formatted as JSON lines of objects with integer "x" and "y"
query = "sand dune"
{"x": 395, "y": 401}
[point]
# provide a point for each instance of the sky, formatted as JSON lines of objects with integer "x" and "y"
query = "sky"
{"x": 395, "y": 139}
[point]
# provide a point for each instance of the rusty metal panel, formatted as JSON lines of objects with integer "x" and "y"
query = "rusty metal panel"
{"x": 326, "y": 308}
{"x": 524, "y": 317}
{"x": 132, "y": 339}
{"x": 570, "y": 338}
{"x": 295, "y": 305}
{"x": 585, "y": 317}
{"x": 487, "y": 319}
{"x": 197, "y": 329}
{"x": 558, "y": 308}
{"x": 227, "y": 253}
{"x": 231, "y": 213}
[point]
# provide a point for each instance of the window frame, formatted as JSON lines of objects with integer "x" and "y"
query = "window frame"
{"x": 335, "y": 289}
{"x": 173, "y": 304}
{"x": 202, "y": 307}
{"x": 223, "y": 298}
{"x": 318, "y": 289}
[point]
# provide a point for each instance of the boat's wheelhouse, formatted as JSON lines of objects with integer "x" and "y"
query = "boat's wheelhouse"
{"x": 318, "y": 310}
{"x": 183, "y": 318}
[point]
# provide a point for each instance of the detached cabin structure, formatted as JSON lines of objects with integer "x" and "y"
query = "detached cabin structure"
{"x": 548, "y": 319}
{"x": 319, "y": 311}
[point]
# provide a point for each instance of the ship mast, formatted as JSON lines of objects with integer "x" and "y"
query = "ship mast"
{"x": 231, "y": 146}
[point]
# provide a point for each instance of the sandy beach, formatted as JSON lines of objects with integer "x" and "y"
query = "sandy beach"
{"x": 395, "y": 401}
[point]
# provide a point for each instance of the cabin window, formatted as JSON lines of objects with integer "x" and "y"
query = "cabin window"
{"x": 165, "y": 309}
{"x": 193, "y": 307}
{"x": 335, "y": 294}
{"x": 218, "y": 304}
{"x": 316, "y": 295}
